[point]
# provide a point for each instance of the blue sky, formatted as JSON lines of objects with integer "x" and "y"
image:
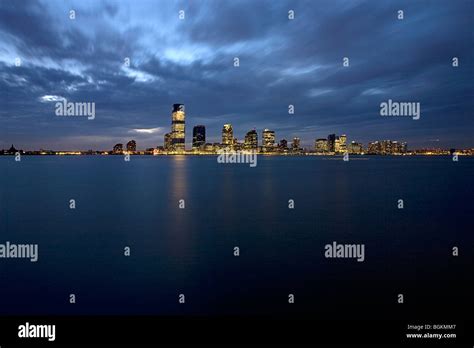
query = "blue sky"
{"x": 190, "y": 61}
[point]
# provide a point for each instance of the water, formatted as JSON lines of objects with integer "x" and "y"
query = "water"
{"x": 190, "y": 250}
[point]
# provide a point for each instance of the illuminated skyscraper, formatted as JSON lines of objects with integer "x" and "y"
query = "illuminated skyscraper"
{"x": 268, "y": 140}
{"x": 199, "y": 136}
{"x": 331, "y": 142}
{"x": 251, "y": 140}
{"x": 337, "y": 145}
{"x": 296, "y": 144}
{"x": 132, "y": 146}
{"x": 321, "y": 145}
{"x": 343, "y": 143}
{"x": 178, "y": 127}
{"x": 227, "y": 135}
{"x": 374, "y": 148}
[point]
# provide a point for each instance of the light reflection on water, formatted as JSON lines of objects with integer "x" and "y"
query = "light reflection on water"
{"x": 190, "y": 249}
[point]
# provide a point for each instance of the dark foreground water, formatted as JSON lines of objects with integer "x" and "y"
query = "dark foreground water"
{"x": 190, "y": 250}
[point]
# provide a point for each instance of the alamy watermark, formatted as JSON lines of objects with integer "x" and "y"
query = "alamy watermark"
{"x": 22, "y": 251}
{"x": 394, "y": 108}
{"x": 345, "y": 251}
{"x": 65, "y": 108}
{"x": 28, "y": 330}
{"x": 231, "y": 156}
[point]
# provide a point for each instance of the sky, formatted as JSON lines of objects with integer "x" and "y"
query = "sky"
{"x": 282, "y": 61}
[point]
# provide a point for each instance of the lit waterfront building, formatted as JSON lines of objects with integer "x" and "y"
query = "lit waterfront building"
{"x": 118, "y": 148}
{"x": 374, "y": 148}
{"x": 158, "y": 151}
{"x": 296, "y": 144}
{"x": 404, "y": 147}
{"x": 283, "y": 145}
{"x": 218, "y": 146}
{"x": 167, "y": 142}
{"x": 227, "y": 135}
{"x": 343, "y": 143}
{"x": 337, "y": 147}
{"x": 251, "y": 140}
{"x": 387, "y": 147}
{"x": 337, "y": 144}
{"x": 398, "y": 147}
{"x": 178, "y": 117}
{"x": 321, "y": 145}
{"x": 199, "y": 136}
{"x": 208, "y": 147}
{"x": 236, "y": 146}
{"x": 332, "y": 142}
{"x": 355, "y": 148}
{"x": 132, "y": 146}
{"x": 268, "y": 140}
{"x": 340, "y": 144}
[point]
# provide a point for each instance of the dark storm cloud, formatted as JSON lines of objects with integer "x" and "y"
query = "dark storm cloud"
{"x": 282, "y": 62}
{"x": 18, "y": 18}
{"x": 219, "y": 22}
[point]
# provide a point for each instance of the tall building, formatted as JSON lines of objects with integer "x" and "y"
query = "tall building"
{"x": 178, "y": 127}
{"x": 296, "y": 144}
{"x": 283, "y": 145}
{"x": 387, "y": 147}
{"x": 167, "y": 142}
{"x": 398, "y": 147}
{"x": 118, "y": 148}
{"x": 355, "y": 148}
{"x": 332, "y": 142}
{"x": 337, "y": 145}
{"x": 132, "y": 146}
{"x": 227, "y": 135}
{"x": 268, "y": 140}
{"x": 321, "y": 145}
{"x": 404, "y": 147}
{"x": 251, "y": 140}
{"x": 343, "y": 143}
{"x": 374, "y": 148}
{"x": 199, "y": 136}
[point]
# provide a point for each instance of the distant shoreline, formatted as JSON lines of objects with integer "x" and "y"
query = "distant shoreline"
{"x": 470, "y": 153}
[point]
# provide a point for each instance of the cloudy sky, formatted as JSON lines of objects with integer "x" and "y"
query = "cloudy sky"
{"x": 191, "y": 61}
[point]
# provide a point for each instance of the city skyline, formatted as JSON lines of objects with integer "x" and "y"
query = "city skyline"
{"x": 174, "y": 143}
{"x": 135, "y": 61}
